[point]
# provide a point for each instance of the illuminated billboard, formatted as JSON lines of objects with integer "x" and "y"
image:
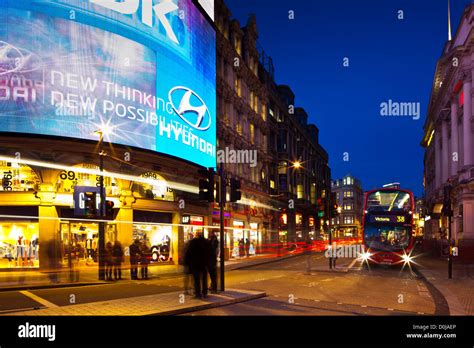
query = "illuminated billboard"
{"x": 146, "y": 69}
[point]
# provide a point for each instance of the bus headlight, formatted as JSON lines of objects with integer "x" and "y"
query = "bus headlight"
{"x": 407, "y": 258}
{"x": 365, "y": 256}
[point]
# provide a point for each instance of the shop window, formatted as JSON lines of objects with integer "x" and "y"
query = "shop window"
{"x": 300, "y": 191}
{"x": 156, "y": 239}
{"x": 155, "y": 187}
{"x": 19, "y": 245}
{"x": 17, "y": 177}
{"x": 69, "y": 179}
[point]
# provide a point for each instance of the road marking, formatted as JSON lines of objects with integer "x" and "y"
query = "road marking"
{"x": 339, "y": 303}
{"x": 38, "y": 299}
{"x": 390, "y": 309}
{"x": 317, "y": 300}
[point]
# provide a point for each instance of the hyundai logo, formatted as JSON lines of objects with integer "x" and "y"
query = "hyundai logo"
{"x": 191, "y": 109}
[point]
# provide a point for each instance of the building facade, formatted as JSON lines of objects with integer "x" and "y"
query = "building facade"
{"x": 449, "y": 142}
{"x": 349, "y": 196}
{"x": 256, "y": 114}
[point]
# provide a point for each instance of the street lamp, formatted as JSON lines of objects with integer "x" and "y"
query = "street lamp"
{"x": 104, "y": 130}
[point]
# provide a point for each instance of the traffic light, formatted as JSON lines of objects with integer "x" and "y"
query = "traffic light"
{"x": 206, "y": 185}
{"x": 447, "y": 201}
{"x": 235, "y": 194}
{"x": 320, "y": 208}
{"x": 90, "y": 204}
{"x": 109, "y": 208}
{"x": 334, "y": 211}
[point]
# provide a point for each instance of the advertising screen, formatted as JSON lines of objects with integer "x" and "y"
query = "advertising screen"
{"x": 145, "y": 70}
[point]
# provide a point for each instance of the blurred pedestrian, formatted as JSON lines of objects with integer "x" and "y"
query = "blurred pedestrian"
{"x": 135, "y": 256}
{"x": 145, "y": 259}
{"x": 199, "y": 255}
{"x": 241, "y": 248}
{"x": 212, "y": 268}
{"x": 186, "y": 264}
{"x": 117, "y": 254}
{"x": 108, "y": 261}
{"x": 247, "y": 247}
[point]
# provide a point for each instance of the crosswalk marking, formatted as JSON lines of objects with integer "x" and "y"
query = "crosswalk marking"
{"x": 38, "y": 299}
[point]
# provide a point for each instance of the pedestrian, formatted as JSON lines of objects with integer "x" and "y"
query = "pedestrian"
{"x": 214, "y": 252}
{"x": 145, "y": 259}
{"x": 186, "y": 264}
{"x": 108, "y": 261}
{"x": 199, "y": 255}
{"x": 308, "y": 252}
{"x": 117, "y": 254}
{"x": 247, "y": 247}
{"x": 241, "y": 248}
{"x": 135, "y": 256}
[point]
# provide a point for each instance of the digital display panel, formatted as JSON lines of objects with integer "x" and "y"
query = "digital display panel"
{"x": 400, "y": 219}
{"x": 146, "y": 70}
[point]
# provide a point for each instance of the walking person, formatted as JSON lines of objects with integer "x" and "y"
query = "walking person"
{"x": 247, "y": 247}
{"x": 241, "y": 248}
{"x": 214, "y": 252}
{"x": 199, "y": 255}
{"x": 117, "y": 254}
{"x": 186, "y": 264}
{"x": 135, "y": 256}
{"x": 108, "y": 261}
{"x": 145, "y": 259}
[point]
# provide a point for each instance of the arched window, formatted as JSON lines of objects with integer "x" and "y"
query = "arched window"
{"x": 68, "y": 179}
{"x": 17, "y": 177}
{"x": 156, "y": 187}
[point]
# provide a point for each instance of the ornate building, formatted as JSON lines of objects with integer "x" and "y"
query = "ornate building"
{"x": 254, "y": 113}
{"x": 449, "y": 142}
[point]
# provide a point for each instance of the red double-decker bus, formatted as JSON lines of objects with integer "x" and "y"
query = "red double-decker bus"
{"x": 388, "y": 226}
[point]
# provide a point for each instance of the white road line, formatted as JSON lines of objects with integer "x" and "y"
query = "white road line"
{"x": 390, "y": 309}
{"x": 364, "y": 306}
{"x": 38, "y": 299}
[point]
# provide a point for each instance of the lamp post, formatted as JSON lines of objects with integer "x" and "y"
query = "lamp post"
{"x": 101, "y": 238}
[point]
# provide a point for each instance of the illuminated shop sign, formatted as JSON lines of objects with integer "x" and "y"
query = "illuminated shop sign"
{"x": 146, "y": 69}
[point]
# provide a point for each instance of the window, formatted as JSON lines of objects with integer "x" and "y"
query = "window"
{"x": 313, "y": 193}
{"x": 348, "y": 219}
{"x": 348, "y": 194}
{"x": 323, "y": 194}
{"x": 338, "y": 195}
{"x": 300, "y": 191}
{"x": 252, "y": 133}
{"x": 238, "y": 45}
{"x": 348, "y": 207}
{"x": 238, "y": 86}
{"x": 264, "y": 112}
{"x": 272, "y": 184}
{"x": 239, "y": 127}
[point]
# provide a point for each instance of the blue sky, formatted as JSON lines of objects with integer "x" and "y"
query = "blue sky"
{"x": 388, "y": 59}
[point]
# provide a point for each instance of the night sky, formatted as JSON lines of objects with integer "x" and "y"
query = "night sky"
{"x": 389, "y": 59}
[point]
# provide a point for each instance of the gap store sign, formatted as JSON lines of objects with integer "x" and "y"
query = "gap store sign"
{"x": 144, "y": 68}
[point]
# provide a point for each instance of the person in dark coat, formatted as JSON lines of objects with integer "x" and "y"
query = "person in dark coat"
{"x": 214, "y": 251}
{"x": 198, "y": 257}
{"x": 247, "y": 247}
{"x": 135, "y": 256}
{"x": 108, "y": 261}
{"x": 187, "y": 271}
{"x": 145, "y": 259}
{"x": 241, "y": 248}
{"x": 117, "y": 255}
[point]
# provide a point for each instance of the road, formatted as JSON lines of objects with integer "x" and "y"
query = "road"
{"x": 290, "y": 290}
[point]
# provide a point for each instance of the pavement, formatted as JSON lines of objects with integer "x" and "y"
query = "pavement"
{"x": 172, "y": 303}
{"x": 458, "y": 291}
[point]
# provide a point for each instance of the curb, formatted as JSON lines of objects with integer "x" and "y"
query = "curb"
{"x": 210, "y": 305}
{"x": 442, "y": 306}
